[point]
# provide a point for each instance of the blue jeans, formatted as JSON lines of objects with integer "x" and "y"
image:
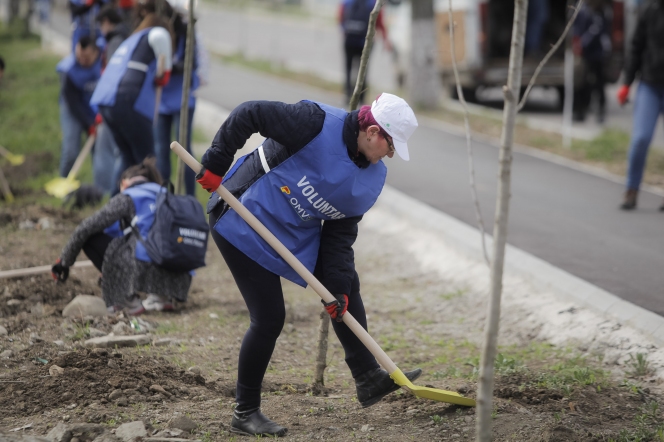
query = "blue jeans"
{"x": 162, "y": 147}
{"x": 538, "y": 15}
{"x": 648, "y": 106}
{"x": 71, "y": 138}
{"x": 106, "y": 156}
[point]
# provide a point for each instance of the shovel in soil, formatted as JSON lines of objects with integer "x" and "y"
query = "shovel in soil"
{"x": 382, "y": 357}
{"x": 61, "y": 187}
{"x": 13, "y": 159}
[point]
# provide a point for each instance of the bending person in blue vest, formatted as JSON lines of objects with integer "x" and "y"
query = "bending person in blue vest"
{"x": 126, "y": 90}
{"x": 79, "y": 73}
{"x": 310, "y": 182}
{"x": 124, "y": 264}
{"x": 171, "y": 102}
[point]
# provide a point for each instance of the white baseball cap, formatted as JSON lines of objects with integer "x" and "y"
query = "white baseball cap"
{"x": 397, "y": 119}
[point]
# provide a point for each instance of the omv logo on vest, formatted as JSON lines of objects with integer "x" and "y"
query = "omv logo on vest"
{"x": 309, "y": 194}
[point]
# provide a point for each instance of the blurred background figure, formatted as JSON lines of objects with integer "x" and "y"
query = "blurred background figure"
{"x": 538, "y": 15}
{"x": 592, "y": 42}
{"x": 645, "y": 58}
{"x": 44, "y": 10}
{"x": 83, "y": 13}
{"x": 125, "y": 8}
{"x": 79, "y": 73}
{"x": 106, "y": 153}
{"x": 126, "y": 93}
{"x": 171, "y": 102}
{"x": 354, "y": 20}
{"x": 2, "y": 68}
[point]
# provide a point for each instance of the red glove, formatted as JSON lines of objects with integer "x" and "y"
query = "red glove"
{"x": 337, "y": 308}
{"x": 208, "y": 180}
{"x": 623, "y": 93}
{"x": 163, "y": 81}
{"x": 98, "y": 120}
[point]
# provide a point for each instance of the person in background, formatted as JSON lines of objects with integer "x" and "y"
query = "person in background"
{"x": 79, "y": 73}
{"x": 115, "y": 31}
{"x": 646, "y": 59}
{"x": 44, "y": 9}
{"x": 125, "y": 7}
{"x": 354, "y": 21}
{"x": 83, "y": 13}
{"x": 126, "y": 93}
{"x": 171, "y": 102}
{"x": 310, "y": 182}
{"x": 592, "y": 41}
{"x": 125, "y": 266}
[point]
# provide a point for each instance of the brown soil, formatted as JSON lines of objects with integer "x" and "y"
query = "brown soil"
{"x": 115, "y": 386}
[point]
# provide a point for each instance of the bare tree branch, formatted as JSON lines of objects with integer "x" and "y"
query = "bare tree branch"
{"x": 548, "y": 56}
{"x": 366, "y": 51}
{"x": 471, "y": 163}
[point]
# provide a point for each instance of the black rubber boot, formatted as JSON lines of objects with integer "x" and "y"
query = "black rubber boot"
{"x": 255, "y": 423}
{"x": 630, "y": 199}
{"x": 374, "y": 385}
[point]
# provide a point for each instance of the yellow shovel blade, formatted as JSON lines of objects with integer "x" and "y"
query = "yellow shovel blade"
{"x": 61, "y": 187}
{"x": 16, "y": 160}
{"x": 450, "y": 397}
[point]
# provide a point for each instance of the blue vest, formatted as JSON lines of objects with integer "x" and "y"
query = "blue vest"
{"x": 319, "y": 183}
{"x": 144, "y": 197}
{"x": 117, "y": 66}
{"x": 85, "y": 79}
{"x": 171, "y": 96}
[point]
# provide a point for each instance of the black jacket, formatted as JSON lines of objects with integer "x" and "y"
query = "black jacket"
{"x": 646, "y": 55}
{"x": 288, "y": 128}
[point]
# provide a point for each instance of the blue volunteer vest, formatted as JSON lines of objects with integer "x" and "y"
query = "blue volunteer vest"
{"x": 85, "y": 79}
{"x": 117, "y": 66}
{"x": 144, "y": 197}
{"x": 319, "y": 183}
{"x": 171, "y": 95}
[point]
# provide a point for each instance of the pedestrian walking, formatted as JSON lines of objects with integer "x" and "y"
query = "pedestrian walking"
{"x": 310, "y": 182}
{"x": 592, "y": 42}
{"x": 539, "y": 12}
{"x": 79, "y": 74}
{"x": 126, "y": 92}
{"x": 171, "y": 103}
{"x": 83, "y": 13}
{"x": 646, "y": 59}
{"x": 354, "y": 21}
{"x": 125, "y": 266}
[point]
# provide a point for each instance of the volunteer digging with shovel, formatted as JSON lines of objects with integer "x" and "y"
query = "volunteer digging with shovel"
{"x": 317, "y": 164}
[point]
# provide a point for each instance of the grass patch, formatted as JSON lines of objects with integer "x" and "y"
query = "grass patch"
{"x": 30, "y": 122}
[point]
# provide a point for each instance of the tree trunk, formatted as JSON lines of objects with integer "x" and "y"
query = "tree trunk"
{"x": 511, "y": 92}
{"x": 424, "y": 83}
{"x": 321, "y": 356}
{"x": 186, "y": 90}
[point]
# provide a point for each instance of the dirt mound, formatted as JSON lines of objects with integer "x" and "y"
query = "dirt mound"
{"x": 94, "y": 375}
{"x": 41, "y": 295}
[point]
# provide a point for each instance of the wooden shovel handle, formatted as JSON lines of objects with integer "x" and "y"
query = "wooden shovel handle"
{"x": 87, "y": 147}
{"x": 36, "y": 270}
{"x": 382, "y": 357}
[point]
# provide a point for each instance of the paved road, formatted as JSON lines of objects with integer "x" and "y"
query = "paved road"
{"x": 564, "y": 216}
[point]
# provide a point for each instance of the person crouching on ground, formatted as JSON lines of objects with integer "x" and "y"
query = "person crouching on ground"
{"x": 126, "y": 268}
{"x": 310, "y": 182}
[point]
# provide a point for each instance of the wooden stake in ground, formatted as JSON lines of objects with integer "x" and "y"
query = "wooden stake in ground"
{"x": 324, "y": 325}
{"x": 511, "y": 92}
{"x": 186, "y": 91}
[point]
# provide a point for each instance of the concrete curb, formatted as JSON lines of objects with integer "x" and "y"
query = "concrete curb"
{"x": 466, "y": 240}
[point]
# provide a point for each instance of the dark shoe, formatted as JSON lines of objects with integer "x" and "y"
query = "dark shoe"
{"x": 661, "y": 208}
{"x": 375, "y": 384}
{"x": 630, "y": 199}
{"x": 255, "y": 424}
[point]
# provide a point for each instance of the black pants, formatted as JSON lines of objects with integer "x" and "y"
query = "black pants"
{"x": 132, "y": 133}
{"x": 353, "y": 57}
{"x": 261, "y": 290}
{"x": 95, "y": 247}
{"x": 594, "y": 82}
